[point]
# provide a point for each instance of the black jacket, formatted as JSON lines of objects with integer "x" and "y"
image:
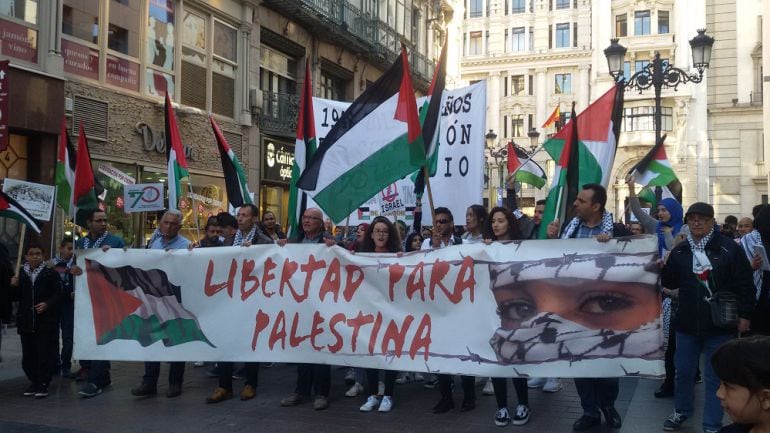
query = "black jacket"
{"x": 731, "y": 272}
{"x": 47, "y": 288}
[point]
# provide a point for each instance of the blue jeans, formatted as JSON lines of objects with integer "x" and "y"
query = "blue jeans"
{"x": 688, "y": 351}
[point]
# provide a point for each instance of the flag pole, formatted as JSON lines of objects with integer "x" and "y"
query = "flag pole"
{"x": 430, "y": 192}
{"x": 21, "y": 248}
{"x": 194, "y": 209}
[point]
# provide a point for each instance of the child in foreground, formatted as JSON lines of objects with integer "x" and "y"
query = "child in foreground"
{"x": 743, "y": 368}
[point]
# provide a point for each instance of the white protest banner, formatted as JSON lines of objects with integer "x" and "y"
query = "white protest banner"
{"x": 36, "y": 198}
{"x": 460, "y": 174}
{"x": 143, "y": 197}
{"x": 556, "y": 308}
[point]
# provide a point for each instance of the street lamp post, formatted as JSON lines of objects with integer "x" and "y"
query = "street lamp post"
{"x": 657, "y": 74}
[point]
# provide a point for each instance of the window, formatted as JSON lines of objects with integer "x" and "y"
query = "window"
{"x": 562, "y": 35}
{"x": 18, "y": 27}
{"x": 639, "y": 65}
{"x": 80, "y": 49}
{"x": 563, "y": 83}
{"x": 517, "y": 85}
{"x": 517, "y": 39}
{"x": 530, "y": 85}
{"x": 476, "y": 8}
{"x": 159, "y": 54}
{"x": 277, "y": 79}
{"x": 531, "y": 39}
{"x": 531, "y": 121}
{"x": 662, "y": 22}
{"x": 642, "y": 119}
{"x": 518, "y": 6}
{"x": 621, "y": 25}
{"x": 505, "y": 126}
{"x": 562, "y": 4}
{"x": 641, "y": 23}
{"x": 574, "y": 35}
{"x": 474, "y": 46}
{"x": 517, "y": 125}
{"x": 505, "y": 86}
{"x": 627, "y": 70}
{"x": 333, "y": 87}
{"x": 123, "y": 36}
{"x": 223, "y": 67}
{"x": 505, "y": 47}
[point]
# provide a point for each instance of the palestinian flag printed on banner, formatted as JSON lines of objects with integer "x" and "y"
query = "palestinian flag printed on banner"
{"x": 176, "y": 162}
{"x": 564, "y": 189}
{"x": 84, "y": 193}
{"x": 141, "y": 305}
{"x": 235, "y": 178}
{"x": 375, "y": 142}
{"x": 523, "y": 168}
{"x": 654, "y": 170}
{"x": 10, "y": 208}
{"x": 65, "y": 172}
{"x": 304, "y": 149}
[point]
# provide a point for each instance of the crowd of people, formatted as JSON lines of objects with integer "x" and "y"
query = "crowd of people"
{"x": 714, "y": 287}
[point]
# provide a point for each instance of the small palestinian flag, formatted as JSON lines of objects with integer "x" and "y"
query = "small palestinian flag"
{"x": 655, "y": 170}
{"x": 235, "y": 178}
{"x": 10, "y": 208}
{"x": 142, "y": 305}
{"x": 364, "y": 214}
{"x": 523, "y": 168}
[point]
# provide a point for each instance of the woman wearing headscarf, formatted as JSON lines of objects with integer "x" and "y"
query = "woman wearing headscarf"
{"x": 668, "y": 227}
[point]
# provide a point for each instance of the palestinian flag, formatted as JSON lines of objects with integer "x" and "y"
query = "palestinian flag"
{"x": 376, "y": 141}
{"x": 176, "y": 162}
{"x": 430, "y": 117}
{"x": 142, "y": 305}
{"x": 564, "y": 189}
{"x": 65, "y": 172}
{"x": 655, "y": 170}
{"x": 552, "y": 118}
{"x": 84, "y": 193}
{"x": 10, "y": 208}
{"x": 235, "y": 178}
{"x": 304, "y": 149}
{"x": 364, "y": 214}
{"x": 599, "y": 129}
{"x": 523, "y": 168}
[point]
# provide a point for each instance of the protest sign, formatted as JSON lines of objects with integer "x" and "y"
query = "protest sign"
{"x": 36, "y": 198}
{"x": 558, "y": 308}
{"x": 143, "y": 197}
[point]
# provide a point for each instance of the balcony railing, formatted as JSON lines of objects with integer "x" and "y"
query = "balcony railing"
{"x": 279, "y": 113}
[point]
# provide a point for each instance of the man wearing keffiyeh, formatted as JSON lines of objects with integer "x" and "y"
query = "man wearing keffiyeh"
{"x": 706, "y": 264}
{"x": 597, "y": 395}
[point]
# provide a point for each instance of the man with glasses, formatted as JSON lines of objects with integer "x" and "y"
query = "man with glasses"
{"x": 311, "y": 377}
{"x": 443, "y": 230}
{"x": 707, "y": 264}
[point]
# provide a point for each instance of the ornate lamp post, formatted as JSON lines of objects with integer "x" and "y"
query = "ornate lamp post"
{"x": 657, "y": 73}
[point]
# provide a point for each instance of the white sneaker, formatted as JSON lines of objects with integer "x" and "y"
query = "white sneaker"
{"x": 380, "y": 388}
{"x": 370, "y": 404}
{"x": 553, "y": 384}
{"x": 502, "y": 418}
{"x": 386, "y": 405}
{"x": 521, "y": 416}
{"x": 354, "y": 390}
{"x": 489, "y": 389}
{"x": 536, "y": 382}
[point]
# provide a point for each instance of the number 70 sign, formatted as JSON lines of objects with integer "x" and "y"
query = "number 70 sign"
{"x": 143, "y": 197}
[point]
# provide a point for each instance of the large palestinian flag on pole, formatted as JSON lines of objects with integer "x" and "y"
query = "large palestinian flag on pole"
{"x": 564, "y": 188}
{"x": 654, "y": 170}
{"x": 176, "y": 162}
{"x": 10, "y": 208}
{"x": 430, "y": 117}
{"x": 235, "y": 178}
{"x": 65, "y": 172}
{"x": 598, "y": 131}
{"x": 377, "y": 141}
{"x": 523, "y": 168}
{"x": 84, "y": 193}
{"x": 304, "y": 149}
{"x": 142, "y": 305}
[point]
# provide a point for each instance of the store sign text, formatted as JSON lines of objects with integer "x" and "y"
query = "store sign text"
{"x": 156, "y": 141}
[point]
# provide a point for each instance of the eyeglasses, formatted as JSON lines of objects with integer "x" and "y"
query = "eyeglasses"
{"x": 443, "y": 221}
{"x": 381, "y": 232}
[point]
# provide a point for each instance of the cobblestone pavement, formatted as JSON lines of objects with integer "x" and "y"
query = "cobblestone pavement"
{"x": 116, "y": 410}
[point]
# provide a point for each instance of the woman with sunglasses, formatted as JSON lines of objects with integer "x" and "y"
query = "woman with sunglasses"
{"x": 380, "y": 237}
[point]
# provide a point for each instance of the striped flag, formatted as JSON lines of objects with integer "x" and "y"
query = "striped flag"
{"x": 564, "y": 189}
{"x": 235, "y": 178}
{"x": 304, "y": 149}
{"x": 84, "y": 192}
{"x": 552, "y": 118}
{"x": 523, "y": 168}
{"x": 176, "y": 162}
{"x": 10, "y": 208}
{"x": 141, "y": 305}
{"x": 65, "y": 173}
{"x": 655, "y": 170}
{"x": 375, "y": 142}
{"x": 430, "y": 118}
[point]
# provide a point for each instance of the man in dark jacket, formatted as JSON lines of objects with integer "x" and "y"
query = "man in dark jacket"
{"x": 708, "y": 263}
{"x": 37, "y": 320}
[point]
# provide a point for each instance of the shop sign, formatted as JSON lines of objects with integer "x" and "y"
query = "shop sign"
{"x": 116, "y": 174}
{"x": 143, "y": 197}
{"x": 18, "y": 41}
{"x": 156, "y": 141}
{"x": 278, "y": 162}
{"x": 123, "y": 73}
{"x": 80, "y": 59}
{"x": 4, "y": 105}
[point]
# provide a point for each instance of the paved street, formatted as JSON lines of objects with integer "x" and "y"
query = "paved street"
{"x": 117, "y": 411}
